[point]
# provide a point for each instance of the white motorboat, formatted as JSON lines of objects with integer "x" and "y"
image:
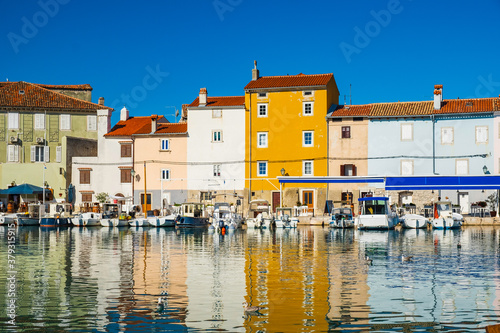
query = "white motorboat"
{"x": 284, "y": 218}
{"x": 140, "y": 221}
{"x": 444, "y": 218}
{"x": 112, "y": 216}
{"x": 88, "y": 219}
{"x": 375, "y": 214}
{"x": 341, "y": 218}
{"x": 259, "y": 214}
{"x": 414, "y": 221}
{"x": 8, "y": 218}
{"x": 224, "y": 217}
{"x": 162, "y": 221}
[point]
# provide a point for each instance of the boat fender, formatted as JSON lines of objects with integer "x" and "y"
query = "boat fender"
{"x": 60, "y": 209}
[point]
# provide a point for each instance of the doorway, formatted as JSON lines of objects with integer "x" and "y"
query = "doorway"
{"x": 308, "y": 200}
{"x": 148, "y": 203}
{"x": 463, "y": 201}
{"x": 276, "y": 201}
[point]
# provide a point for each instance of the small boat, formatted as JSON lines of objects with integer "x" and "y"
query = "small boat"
{"x": 8, "y": 218}
{"x": 162, "y": 221}
{"x": 284, "y": 218}
{"x": 414, "y": 221}
{"x": 192, "y": 215}
{"x": 59, "y": 216}
{"x": 88, "y": 219}
{"x": 224, "y": 217}
{"x": 140, "y": 221}
{"x": 259, "y": 214}
{"x": 341, "y": 218}
{"x": 444, "y": 218}
{"x": 375, "y": 214}
{"x": 32, "y": 217}
{"x": 112, "y": 216}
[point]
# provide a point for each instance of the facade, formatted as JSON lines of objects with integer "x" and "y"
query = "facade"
{"x": 286, "y": 134}
{"x": 42, "y": 128}
{"x": 216, "y": 148}
{"x": 160, "y": 155}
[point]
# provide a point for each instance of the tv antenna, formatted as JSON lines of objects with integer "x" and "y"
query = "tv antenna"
{"x": 176, "y": 113}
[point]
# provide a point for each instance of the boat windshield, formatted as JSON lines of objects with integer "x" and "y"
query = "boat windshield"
{"x": 375, "y": 207}
{"x": 443, "y": 207}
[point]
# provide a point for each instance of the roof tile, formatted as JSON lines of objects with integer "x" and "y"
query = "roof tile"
{"x": 221, "y": 101}
{"x": 134, "y": 125}
{"x": 286, "y": 81}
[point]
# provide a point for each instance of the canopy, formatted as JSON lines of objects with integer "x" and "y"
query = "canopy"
{"x": 23, "y": 189}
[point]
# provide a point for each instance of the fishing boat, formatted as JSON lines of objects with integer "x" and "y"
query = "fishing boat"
{"x": 8, "y": 218}
{"x": 139, "y": 221}
{"x": 224, "y": 217}
{"x": 414, "y": 221}
{"x": 58, "y": 216}
{"x": 88, "y": 219}
{"x": 284, "y": 218}
{"x": 259, "y": 214}
{"x": 375, "y": 214}
{"x": 192, "y": 215}
{"x": 32, "y": 217}
{"x": 341, "y": 218}
{"x": 113, "y": 217}
{"x": 444, "y": 218}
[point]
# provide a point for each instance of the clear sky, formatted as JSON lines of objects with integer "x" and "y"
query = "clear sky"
{"x": 154, "y": 56}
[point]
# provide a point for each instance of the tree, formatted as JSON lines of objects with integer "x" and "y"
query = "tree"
{"x": 102, "y": 197}
{"x": 492, "y": 201}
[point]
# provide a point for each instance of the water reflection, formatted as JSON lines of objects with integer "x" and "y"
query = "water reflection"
{"x": 306, "y": 279}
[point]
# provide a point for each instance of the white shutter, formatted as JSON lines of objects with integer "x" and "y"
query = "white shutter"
{"x": 13, "y": 120}
{"x": 462, "y": 167}
{"x": 482, "y": 134}
{"x": 46, "y": 153}
{"x": 39, "y": 121}
{"x": 58, "y": 154}
{"x": 10, "y": 153}
{"x": 33, "y": 152}
{"x": 65, "y": 122}
{"x": 406, "y": 168}
{"x": 91, "y": 123}
{"x": 447, "y": 135}
{"x": 406, "y": 132}
{"x": 16, "y": 153}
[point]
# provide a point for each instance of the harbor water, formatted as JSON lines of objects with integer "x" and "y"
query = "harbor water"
{"x": 305, "y": 279}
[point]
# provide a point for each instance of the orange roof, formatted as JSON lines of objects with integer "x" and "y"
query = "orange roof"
{"x": 172, "y": 128}
{"x": 28, "y": 95}
{"x": 134, "y": 125}
{"x": 286, "y": 81}
{"x": 221, "y": 101}
{"x": 57, "y": 86}
{"x": 425, "y": 108}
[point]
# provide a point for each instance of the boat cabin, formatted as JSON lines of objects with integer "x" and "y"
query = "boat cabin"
{"x": 374, "y": 206}
{"x": 258, "y": 206}
{"x": 110, "y": 210}
{"x": 192, "y": 209}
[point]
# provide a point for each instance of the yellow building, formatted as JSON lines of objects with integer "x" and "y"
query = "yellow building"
{"x": 287, "y": 134}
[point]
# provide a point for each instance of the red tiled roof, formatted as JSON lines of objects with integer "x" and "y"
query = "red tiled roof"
{"x": 134, "y": 125}
{"x": 28, "y": 95}
{"x": 57, "y": 86}
{"x": 172, "y": 128}
{"x": 300, "y": 80}
{"x": 221, "y": 101}
{"x": 424, "y": 108}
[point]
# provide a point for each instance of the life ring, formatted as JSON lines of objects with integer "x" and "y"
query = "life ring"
{"x": 60, "y": 209}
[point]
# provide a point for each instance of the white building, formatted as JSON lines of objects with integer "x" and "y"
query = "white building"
{"x": 216, "y": 148}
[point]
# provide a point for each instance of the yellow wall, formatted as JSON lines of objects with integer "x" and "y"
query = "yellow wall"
{"x": 285, "y": 123}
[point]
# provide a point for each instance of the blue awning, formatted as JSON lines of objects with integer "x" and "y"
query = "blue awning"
{"x": 486, "y": 182}
{"x": 323, "y": 180}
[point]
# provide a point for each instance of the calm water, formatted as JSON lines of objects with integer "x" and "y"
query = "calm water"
{"x": 309, "y": 279}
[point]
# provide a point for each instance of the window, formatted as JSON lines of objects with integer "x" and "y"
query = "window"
{"x": 406, "y": 132}
{"x": 13, "y": 120}
{"x": 261, "y": 139}
{"x": 204, "y": 196}
{"x": 462, "y": 167}
{"x": 86, "y": 197}
{"x": 357, "y": 119}
{"x": 262, "y": 95}
{"x": 308, "y": 108}
{"x": 217, "y": 113}
{"x": 165, "y": 144}
{"x": 12, "y": 153}
{"x": 91, "y": 123}
{"x": 307, "y": 93}
{"x": 59, "y": 154}
{"x": 346, "y": 198}
{"x": 348, "y": 170}
{"x": 85, "y": 176}
{"x": 40, "y": 154}
{"x": 308, "y": 139}
{"x": 307, "y": 168}
{"x": 125, "y": 176}
{"x": 261, "y": 110}
{"x": 39, "y": 121}
{"x": 481, "y": 134}
{"x": 262, "y": 168}
{"x": 406, "y": 167}
{"x": 346, "y": 132}
{"x": 447, "y": 135}
{"x": 217, "y": 170}
{"x": 65, "y": 122}
{"x": 216, "y": 136}
{"x": 126, "y": 150}
{"x": 165, "y": 174}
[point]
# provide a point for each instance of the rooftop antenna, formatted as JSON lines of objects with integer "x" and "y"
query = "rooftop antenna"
{"x": 345, "y": 97}
{"x": 350, "y": 94}
{"x": 176, "y": 111}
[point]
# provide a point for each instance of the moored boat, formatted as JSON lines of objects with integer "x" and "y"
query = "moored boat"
{"x": 112, "y": 216}
{"x": 284, "y": 218}
{"x": 341, "y": 218}
{"x": 32, "y": 217}
{"x": 444, "y": 218}
{"x": 192, "y": 215}
{"x": 414, "y": 221}
{"x": 259, "y": 214}
{"x": 88, "y": 219}
{"x": 375, "y": 214}
{"x": 223, "y": 217}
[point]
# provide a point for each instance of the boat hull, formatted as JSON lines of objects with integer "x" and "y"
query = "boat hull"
{"x": 376, "y": 222}
{"x": 114, "y": 222}
{"x": 446, "y": 223}
{"x": 341, "y": 224}
{"x": 413, "y": 221}
{"x": 55, "y": 222}
{"x": 27, "y": 221}
{"x": 139, "y": 222}
{"x": 191, "y": 222}
{"x": 162, "y": 221}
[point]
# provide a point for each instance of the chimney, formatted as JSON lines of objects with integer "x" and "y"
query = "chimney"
{"x": 101, "y": 101}
{"x": 203, "y": 97}
{"x": 438, "y": 96}
{"x": 124, "y": 114}
{"x": 255, "y": 71}
{"x": 154, "y": 126}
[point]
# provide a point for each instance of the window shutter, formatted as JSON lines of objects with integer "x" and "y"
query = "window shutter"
{"x": 10, "y": 153}
{"x": 33, "y": 153}
{"x": 354, "y": 170}
{"x": 59, "y": 154}
{"x": 47, "y": 153}
{"x": 342, "y": 170}
{"x": 16, "y": 154}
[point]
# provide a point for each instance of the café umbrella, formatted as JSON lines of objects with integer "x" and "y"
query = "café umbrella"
{"x": 23, "y": 189}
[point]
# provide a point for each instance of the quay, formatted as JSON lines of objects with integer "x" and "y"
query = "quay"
{"x": 468, "y": 221}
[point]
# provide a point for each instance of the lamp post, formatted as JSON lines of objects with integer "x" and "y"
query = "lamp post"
{"x": 145, "y": 193}
{"x": 281, "y": 187}
{"x": 132, "y": 174}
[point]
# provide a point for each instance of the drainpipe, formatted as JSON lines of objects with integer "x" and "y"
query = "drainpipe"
{"x": 250, "y": 149}
{"x": 434, "y": 149}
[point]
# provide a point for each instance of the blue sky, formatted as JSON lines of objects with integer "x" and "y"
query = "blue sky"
{"x": 154, "y": 56}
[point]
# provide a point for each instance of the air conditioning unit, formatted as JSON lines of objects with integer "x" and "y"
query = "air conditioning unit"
{"x": 14, "y": 139}
{"x": 39, "y": 140}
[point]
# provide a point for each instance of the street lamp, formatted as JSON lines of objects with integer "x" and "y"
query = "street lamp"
{"x": 485, "y": 170}
{"x": 282, "y": 171}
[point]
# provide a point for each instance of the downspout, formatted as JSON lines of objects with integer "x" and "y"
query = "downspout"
{"x": 133, "y": 168}
{"x": 250, "y": 149}
{"x": 433, "y": 144}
